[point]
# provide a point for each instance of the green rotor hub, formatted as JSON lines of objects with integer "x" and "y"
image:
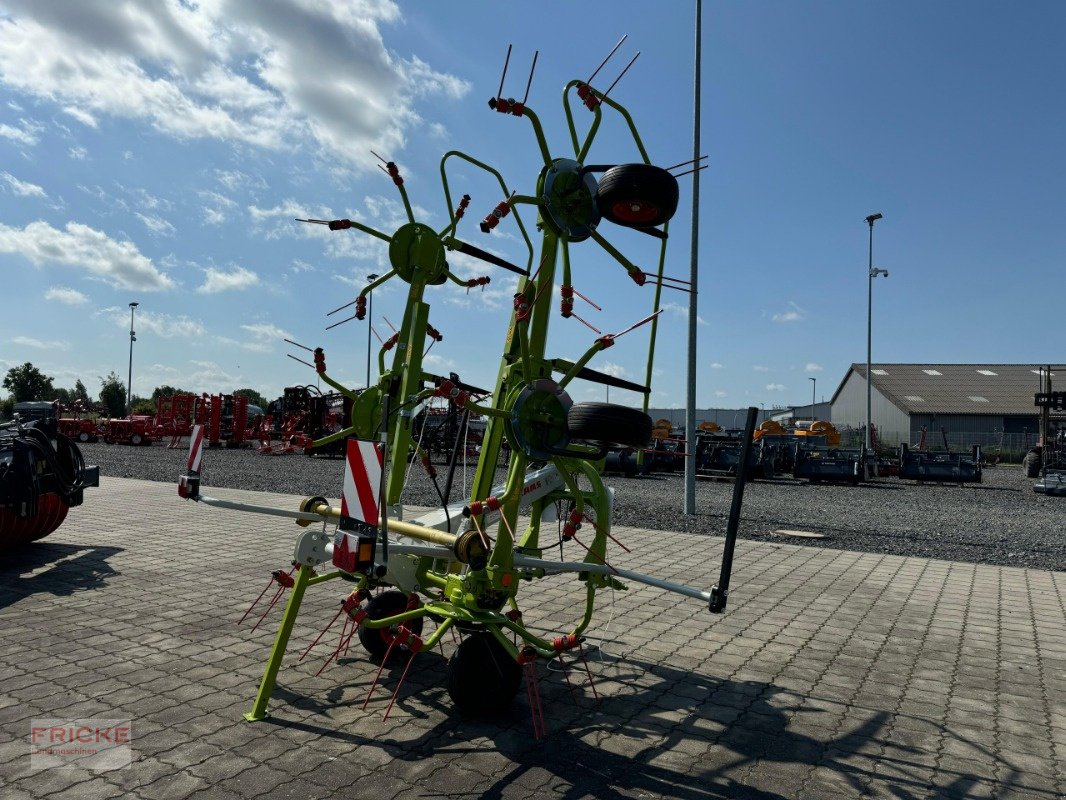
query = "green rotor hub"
{"x": 417, "y": 255}
{"x": 537, "y": 424}
{"x": 568, "y": 200}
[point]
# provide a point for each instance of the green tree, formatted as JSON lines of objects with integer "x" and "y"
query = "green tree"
{"x": 79, "y": 392}
{"x": 28, "y": 383}
{"x": 143, "y": 405}
{"x": 113, "y": 395}
{"x": 167, "y": 391}
{"x": 253, "y": 396}
{"x": 7, "y": 408}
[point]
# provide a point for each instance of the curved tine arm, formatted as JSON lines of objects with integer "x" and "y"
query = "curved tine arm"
{"x": 503, "y": 185}
{"x": 625, "y": 115}
{"x": 580, "y": 150}
{"x": 656, "y": 305}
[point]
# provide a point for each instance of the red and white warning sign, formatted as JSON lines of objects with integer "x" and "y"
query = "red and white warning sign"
{"x": 196, "y": 448}
{"x": 362, "y": 477}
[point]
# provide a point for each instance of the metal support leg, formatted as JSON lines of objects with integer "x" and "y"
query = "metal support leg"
{"x": 281, "y": 641}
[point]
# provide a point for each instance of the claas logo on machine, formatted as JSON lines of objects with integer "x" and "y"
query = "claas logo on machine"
{"x": 354, "y": 551}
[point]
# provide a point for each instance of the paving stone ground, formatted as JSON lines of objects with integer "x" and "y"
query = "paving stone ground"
{"x": 832, "y": 674}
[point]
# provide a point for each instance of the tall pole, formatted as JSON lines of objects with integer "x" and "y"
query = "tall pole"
{"x": 690, "y": 402}
{"x": 814, "y": 385}
{"x": 870, "y": 220}
{"x": 369, "y": 327}
{"x": 129, "y": 377}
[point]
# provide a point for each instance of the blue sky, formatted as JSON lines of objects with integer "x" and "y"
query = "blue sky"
{"x": 158, "y": 152}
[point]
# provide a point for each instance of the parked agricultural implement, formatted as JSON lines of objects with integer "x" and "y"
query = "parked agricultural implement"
{"x": 42, "y": 475}
{"x": 460, "y": 566}
{"x": 1051, "y": 453}
{"x": 817, "y": 463}
{"x": 943, "y": 467}
{"x": 175, "y": 416}
{"x": 79, "y": 423}
{"x": 135, "y": 430}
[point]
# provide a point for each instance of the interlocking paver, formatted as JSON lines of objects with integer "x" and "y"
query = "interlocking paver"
{"x": 833, "y": 674}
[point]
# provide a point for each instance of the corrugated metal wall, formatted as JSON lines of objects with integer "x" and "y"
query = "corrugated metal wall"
{"x": 849, "y": 410}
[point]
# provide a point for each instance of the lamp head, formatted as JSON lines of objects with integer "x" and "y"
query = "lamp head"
{"x": 870, "y": 220}
{"x": 134, "y": 305}
{"x": 875, "y": 272}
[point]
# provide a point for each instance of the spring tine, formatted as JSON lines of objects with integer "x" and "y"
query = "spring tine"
{"x": 314, "y": 221}
{"x": 586, "y": 299}
{"x": 586, "y": 323}
{"x": 294, "y": 358}
{"x": 620, "y": 76}
{"x": 683, "y": 163}
{"x": 530, "y": 81}
{"x": 379, "y": 158}
{"x": 687, "y": 172}
{"x": 335, "y": 324}
{"x": 506, "y": 61}
{"x": 636, "y": 325}
{"x": 339, "y": 308}
{"x": 301, "y": 346}
{"x": 602, "y": 63}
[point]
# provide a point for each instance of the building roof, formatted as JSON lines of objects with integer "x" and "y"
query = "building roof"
{"x": 959, "y": 388}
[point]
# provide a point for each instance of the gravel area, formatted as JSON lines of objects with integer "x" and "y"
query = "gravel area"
{"x": 1001, "y": 521}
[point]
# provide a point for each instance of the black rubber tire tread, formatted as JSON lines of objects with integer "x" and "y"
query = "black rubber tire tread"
{"x": 84, "y": 436}
{"x": 1031, "y": 464}
{"x": 376, "y": 642}
{"x": 136, "y": 439}
{"x": 642, "y": 183}
{"x": 606, "y": 422}
{"x": 482, "y": 677}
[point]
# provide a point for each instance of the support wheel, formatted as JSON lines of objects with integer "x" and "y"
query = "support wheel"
{"x": 605, "y": 422}
{"x": 637, "y": 195}
{"x": 376, "y": 642}
{"x": 482, "y": 677}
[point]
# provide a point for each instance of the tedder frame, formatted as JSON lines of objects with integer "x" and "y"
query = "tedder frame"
{"x": 461, "y": 565}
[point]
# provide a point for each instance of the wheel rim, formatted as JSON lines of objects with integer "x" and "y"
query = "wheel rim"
{"x": 635, "y": 212}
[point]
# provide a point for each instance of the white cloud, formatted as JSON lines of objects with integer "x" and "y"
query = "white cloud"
{"x": 81, "y": 115}
{"x": 22, "y": 188}
{"x": 717, "y": 365}
{"x": 760, "y": 368}
{"x": 163, "y": 325}
{"x": 266, "y": 330}
{"x": 681, "y": 311}
{"x": 720, "y": 394}
{"x": 29, "y": 341}
{"x": 812, "y": 367}
{"x": 26, "y": 133}
{"x": 120, "y": 264}
{"x": 234, "y": 179}
{"x": 240, "y": 71}
{"x": 156, "y": 225}
{"x": 612, "y": 369}
{"x": 217, "y": 280}
{"x": 793, "y": 314}
{"x": 69, "y": 297}
{"x": 78, "y": 153}
{"x": 775, "y": 387}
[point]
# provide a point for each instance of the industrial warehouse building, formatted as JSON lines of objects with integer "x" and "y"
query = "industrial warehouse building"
{"x": 986, "y": 404}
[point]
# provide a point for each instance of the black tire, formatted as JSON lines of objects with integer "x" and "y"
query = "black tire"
{"x": 482, "y": 677}
{"x": 637, "y": 195}
{"x": 605, "y": 422}
{"x": 376, "y": 642}
{"x": 136, "y": 439}
{"x": 1031, "y": 464}
{"x": 83, "y": 436}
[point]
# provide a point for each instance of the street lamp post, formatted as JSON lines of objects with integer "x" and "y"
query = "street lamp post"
{"x": 129, "y": 377}
{"x": 871, "y": 274}
{"x": 814, "y": 385}
{"x": 369, "y": 326}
